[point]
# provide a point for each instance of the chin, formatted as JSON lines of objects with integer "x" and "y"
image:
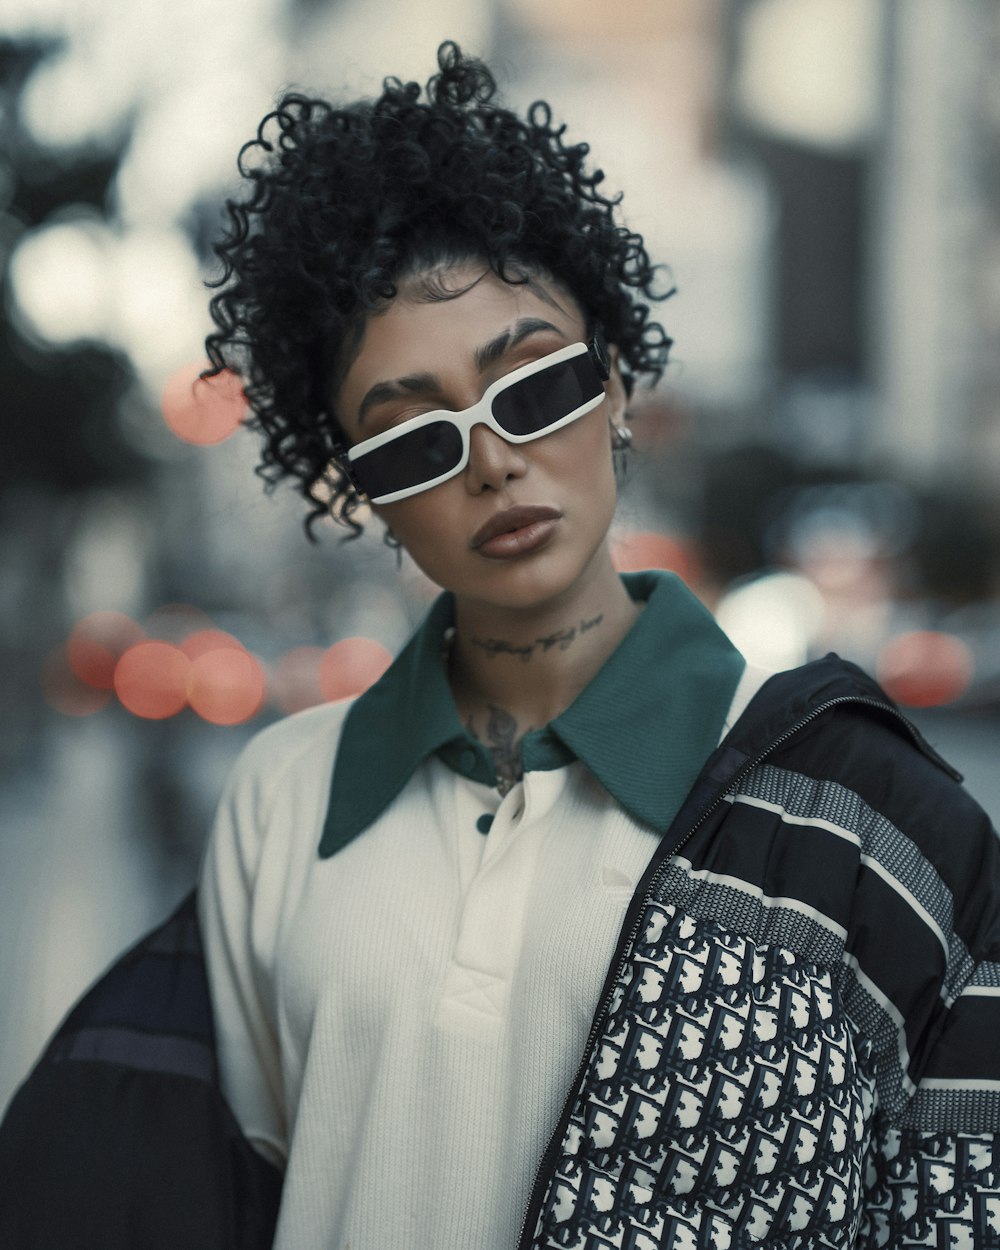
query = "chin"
{"x": 528, "y": 584}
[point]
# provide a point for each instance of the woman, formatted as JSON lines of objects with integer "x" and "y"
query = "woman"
{"x": 574, "y": 930}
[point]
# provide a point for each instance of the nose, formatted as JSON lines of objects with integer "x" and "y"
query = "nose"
{"x": 492, "y": 461}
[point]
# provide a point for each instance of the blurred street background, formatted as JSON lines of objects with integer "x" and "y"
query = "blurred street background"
{"x": 820, "y": 463}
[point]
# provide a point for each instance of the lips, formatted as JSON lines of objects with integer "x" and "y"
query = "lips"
{"x": 512, "y": 519}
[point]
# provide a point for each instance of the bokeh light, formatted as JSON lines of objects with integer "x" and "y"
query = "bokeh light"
{"x": 925, "y": 668}
{"x": 65, "y": 692}
{"x": 96, "y": 644}
{"x": 59, "y": 279}
{"x": 295, "y": 679}
{"x": 350, "y": 666}
{"x": 203, "y": 411}
{"x": 632, "y": 552}
{"x": 774, "y": 619}
{"x": 151, "y": 680}
{"x": 202, "y": 641}
{"x": 226, "y": 685}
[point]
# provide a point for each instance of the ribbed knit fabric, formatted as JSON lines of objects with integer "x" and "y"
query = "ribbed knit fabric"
{"x": 402, "y": 1021}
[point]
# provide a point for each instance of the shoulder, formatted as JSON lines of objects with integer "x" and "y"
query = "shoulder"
{"x": 878, "y": 754}
{"x": 281, "y": 778}
{"x": 861, "y": 767}
{"x": 293, "y": 743}
{"x": 274, "y": 801}
{"x": 832, "y": 722}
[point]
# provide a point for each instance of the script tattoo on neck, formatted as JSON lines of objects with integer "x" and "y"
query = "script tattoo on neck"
{"x": 496, "y": 646}
{"x": 561, "y": 638}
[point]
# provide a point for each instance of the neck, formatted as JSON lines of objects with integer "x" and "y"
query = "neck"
{"x": 531, "y": 664}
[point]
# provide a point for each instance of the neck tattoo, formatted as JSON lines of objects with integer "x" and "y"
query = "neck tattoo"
{"x": 560, "y": 639}
{"x": 504, "y": 743}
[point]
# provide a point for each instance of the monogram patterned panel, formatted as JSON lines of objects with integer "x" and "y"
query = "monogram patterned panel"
{"x": 727, "y": 1103}
{"x": 933, "y": 1191}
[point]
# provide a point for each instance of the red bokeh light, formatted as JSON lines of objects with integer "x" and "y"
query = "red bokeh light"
{"x": 226, "y": 685}
{"x": 631, "y": 553}
{"x": 202, "y": 641}
{"x": 65, "y": 692}
{"x": 203, "y": 411}
{"x": 295, "y": 679}
{"x": 151, "y": 680}
{"x": 95, "y": 645}
{"x": 350, "y": 666}
{"x": 925, "y": 668}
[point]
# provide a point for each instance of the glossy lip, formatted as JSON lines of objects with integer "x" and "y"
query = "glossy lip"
{"x": 512, "y": 519}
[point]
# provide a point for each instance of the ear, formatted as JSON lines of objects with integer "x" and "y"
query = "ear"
{"x": 614, "y": 388}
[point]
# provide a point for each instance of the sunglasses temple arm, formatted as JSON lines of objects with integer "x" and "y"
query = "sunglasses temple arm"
{"x": 597, "y": 349}
{"x": 343, "y": 463}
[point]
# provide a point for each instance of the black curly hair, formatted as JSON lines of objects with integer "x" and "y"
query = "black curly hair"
{"x": 347, "y": 201}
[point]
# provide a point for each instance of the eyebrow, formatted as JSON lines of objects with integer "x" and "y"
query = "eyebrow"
{"x": 485, "y": 355}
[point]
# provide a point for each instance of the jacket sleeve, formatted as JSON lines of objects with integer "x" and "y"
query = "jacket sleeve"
{"x": 934, "y": 1175}
{"x": 119, "y": 1137}
{"x": 934, "y": 1165}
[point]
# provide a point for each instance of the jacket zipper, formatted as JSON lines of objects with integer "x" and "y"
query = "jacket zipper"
{"x": 625, "y": 945}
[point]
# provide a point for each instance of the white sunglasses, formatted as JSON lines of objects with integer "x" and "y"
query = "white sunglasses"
{"x": 528, "y": 403}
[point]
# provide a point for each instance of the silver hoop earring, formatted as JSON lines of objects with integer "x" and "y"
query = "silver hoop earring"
{"x": 621, "y": 440}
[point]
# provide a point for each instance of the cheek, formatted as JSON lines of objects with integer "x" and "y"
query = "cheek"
{"x": 432, "y": 534}
{"x": 585, "y": 455}
{"x": 420, "y": 523}
{"x": 594, "y": 473}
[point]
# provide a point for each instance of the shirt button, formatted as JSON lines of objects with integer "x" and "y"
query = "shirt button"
{"x": 485, "y": 823}
{"x": 467, "y": 760}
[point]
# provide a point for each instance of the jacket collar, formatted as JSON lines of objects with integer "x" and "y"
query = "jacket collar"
{"x": 643, "y": 726}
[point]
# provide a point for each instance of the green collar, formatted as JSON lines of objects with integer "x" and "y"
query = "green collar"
{"x": 643, "y": 726}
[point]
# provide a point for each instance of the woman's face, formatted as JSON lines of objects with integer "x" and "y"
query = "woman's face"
{"x": 423, "y": 355}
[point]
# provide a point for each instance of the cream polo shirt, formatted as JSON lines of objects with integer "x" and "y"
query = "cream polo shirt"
{"x": 404, "y": 969}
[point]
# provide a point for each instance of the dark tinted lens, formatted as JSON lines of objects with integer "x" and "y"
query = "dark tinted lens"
{"x": 414, "y": 458}
{"x": 547, "y": 396}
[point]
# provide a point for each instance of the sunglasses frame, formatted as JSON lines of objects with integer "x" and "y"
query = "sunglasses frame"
{"x": 481, "y": 413}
